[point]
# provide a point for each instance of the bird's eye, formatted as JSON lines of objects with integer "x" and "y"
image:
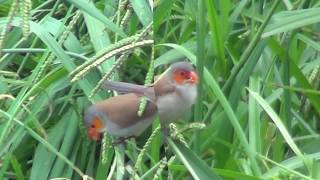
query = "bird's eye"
{"x": 182, "y": 73}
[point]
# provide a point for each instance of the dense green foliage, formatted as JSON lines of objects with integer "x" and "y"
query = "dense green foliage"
{"x": 258, "y": 110}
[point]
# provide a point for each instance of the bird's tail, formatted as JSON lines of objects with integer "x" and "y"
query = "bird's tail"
{"x": 125, "y": 88}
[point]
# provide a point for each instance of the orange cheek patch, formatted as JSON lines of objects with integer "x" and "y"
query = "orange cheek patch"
{"x": 94, "y": 130}
{"x": 97, "y": 123}
{"x": 178, "y": 78}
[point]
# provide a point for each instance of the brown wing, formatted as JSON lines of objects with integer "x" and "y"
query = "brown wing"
{"x": 162, "y": 87}
{"x": 123, "y": 87}
{"x": 126, "y": 88}
{"x": 122, "y": 110}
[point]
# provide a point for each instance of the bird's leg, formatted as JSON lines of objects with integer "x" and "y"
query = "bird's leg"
{"x": 121, "y": 140}
{"x": 165, "y": 131}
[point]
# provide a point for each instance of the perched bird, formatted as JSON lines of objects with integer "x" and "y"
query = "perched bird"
{"x": 175, "y": 92}
{"x": 172, "y": 94}
{"x": 118, "y": 116}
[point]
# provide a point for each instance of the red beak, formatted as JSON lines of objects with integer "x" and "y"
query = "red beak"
{"x": 193, "y": 77}
{"x": 94, "y": 135}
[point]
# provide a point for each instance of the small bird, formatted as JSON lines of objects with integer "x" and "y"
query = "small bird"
{"x": 118, "y": 116}
{"x": 171, "y": 95}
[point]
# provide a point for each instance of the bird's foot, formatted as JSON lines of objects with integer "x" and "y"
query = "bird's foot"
{"x": 121, "y": 140}
{"x": 166, "y": 131}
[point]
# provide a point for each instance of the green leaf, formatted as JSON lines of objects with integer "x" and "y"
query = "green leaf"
{"x": 290, "y": 20}
{"x": 276, "y": 119}
{"x": 143, "y": 11}
{"x": 197, "y": 167}
{"x": 162, "y": 10}
{"x": 93, "y": 11}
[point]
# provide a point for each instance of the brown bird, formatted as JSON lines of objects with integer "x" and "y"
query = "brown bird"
{"x": 173, "y": 93}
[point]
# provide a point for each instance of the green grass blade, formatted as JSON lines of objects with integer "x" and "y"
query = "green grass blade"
{"x": 290, "y": 20}
{"x": 93, "y": 11}
{"x": 194, "y": 164}
{"x": 276, "y": 119}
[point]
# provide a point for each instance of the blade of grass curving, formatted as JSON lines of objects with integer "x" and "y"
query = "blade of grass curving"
{"x": 54, "y": 26}
{"x": 216, "y": 35}
{"x": 308, "y": 41}
{"x": 222, "y": 172}
{"x": 43, "y": 159}
{"x": 65, "y": 149}
{"x": 86, "y": 85}
{"x": 161, "y": 11}
{"x": 197, "y": 167}
{"x": 249, "y": 49}
{"x": 290, "y": 20}
{"x": 175, "y": 54}
{"x": 93, "y": 11}
{"x": 143, "y": 11}
{"x": 276, "y": 119}
{"x": 280, "y": 168}
{"x": 243, "y": 58}
{"x": 237, "y": 11}
{"x": 68, "y": 171}
{"x": 245, "y": 74}
{"x": 44, "y": 142}
{"x": 17, "y": 168}
{"x": 296, "y": 72}
{"x": 99, "y": 38}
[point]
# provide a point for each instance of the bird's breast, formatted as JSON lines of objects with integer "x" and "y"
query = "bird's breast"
{"x": 171, "y": 106}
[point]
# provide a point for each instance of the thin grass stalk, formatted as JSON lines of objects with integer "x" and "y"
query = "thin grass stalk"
{"x": 242, "y": 59}
{"x": 25, "y": 9}
{"x": 121, "y": 6}
{"x": 12, "y": 12}
{"x": 215, "y": 33}
{"x": 126, "y": 17}
{"x": 247, "y": 52}
{"x": 163, "y": 163}
{"x": 45, "y": 143}
{"x": 120, "y": 154}
{"x": 119, "y": 62}
{"x": 174, "y": 134}
{"x": 40, "y": 50}
{"x": 100, "y": 54}
{"x": 286, "y": 104}
{"x": 254, "y": 118}
{"x": 284, "y": 167}
{"x": 192, "y": 126}
{"x": 110, "y": 55}
{"x": 147, "y": 82}
{"x": 201, "y": 20}
{"x": 108, "y": 75}
{"x": 237, "y": 127}
{"x": 62, "y": 39}
{"x": 145, "y": 148}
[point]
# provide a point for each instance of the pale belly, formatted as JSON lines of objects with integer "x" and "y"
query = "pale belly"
{"x": 134, "y": 130}
{"x": 172, "y": 107}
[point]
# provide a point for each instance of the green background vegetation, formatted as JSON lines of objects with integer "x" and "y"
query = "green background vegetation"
{"x": 258, "y": 62}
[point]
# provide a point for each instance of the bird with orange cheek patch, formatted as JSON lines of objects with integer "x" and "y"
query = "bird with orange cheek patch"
{"x": 172, "y": 94}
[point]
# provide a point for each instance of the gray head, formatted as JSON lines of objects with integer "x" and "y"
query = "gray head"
{"x": 183, "y": 73}
{"x": 182, "y": 65}
{"x": 94, "y": 123}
